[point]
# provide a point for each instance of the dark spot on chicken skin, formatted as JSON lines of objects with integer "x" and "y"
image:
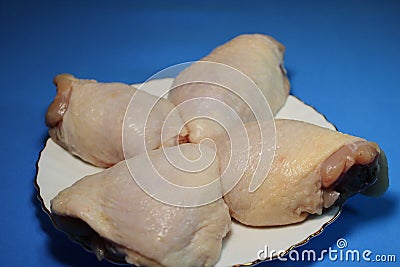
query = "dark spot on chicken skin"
{"x": 358, "y": 178}
{"x": 89, "y": 239}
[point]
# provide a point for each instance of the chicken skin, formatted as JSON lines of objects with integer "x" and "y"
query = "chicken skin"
{"x": 110, "y": 214}
{"x": 313, "y": 168}
{"x": 240, "y": 75}
{"x": 89, "y": 119}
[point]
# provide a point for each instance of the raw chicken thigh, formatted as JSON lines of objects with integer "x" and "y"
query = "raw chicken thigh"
{"x": 247, "y": 71}
{"x": 313, "y": 168}
{"x": 87, "y": 117}
{"x": 110, "y": 214}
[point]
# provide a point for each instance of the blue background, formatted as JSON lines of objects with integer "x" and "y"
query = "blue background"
{"x": 342, "y": 56}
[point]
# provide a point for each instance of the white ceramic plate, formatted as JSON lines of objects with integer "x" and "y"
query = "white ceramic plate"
{"x": 57, "y": 169}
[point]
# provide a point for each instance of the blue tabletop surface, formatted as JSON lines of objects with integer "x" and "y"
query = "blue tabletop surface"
{"x": 342, "y": 57}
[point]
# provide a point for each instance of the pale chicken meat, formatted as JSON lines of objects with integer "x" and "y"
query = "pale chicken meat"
{"x": 314, "y": 168}
{"x": 110, "y": 214}
{"x": 87, "y": 119}
{"x": 239, "y": 75}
